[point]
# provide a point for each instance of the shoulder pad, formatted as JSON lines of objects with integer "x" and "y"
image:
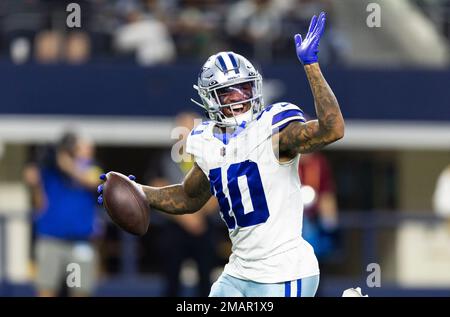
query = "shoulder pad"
{"x": 280, "y": 114}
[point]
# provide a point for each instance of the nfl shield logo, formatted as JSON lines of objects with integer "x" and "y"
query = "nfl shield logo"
{"x": 222, "y": 151}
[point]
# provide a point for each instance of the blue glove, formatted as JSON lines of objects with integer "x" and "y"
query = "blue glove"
{"x": 100, "y": 187}
{"x": 308, "y": 48}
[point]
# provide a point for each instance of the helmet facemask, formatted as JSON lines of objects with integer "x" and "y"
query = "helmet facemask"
{"x": 230, "y": 105}
{"x": 236, "y": 102}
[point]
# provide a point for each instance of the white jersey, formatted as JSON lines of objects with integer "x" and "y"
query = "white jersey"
{"x": 259, "y": 197}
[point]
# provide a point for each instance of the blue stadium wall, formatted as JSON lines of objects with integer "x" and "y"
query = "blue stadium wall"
{"x": 108, "y": 89}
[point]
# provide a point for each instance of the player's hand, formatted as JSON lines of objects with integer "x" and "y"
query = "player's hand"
{"x": 100, "y": 187}
{"x": 308, "y": 48}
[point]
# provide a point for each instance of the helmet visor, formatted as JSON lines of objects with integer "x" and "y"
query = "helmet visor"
{"x": 236, "y": 93}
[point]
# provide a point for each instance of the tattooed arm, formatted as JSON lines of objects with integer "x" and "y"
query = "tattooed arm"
{"x": 313, "y": 135}
{"x": 185, "y": 198}
{"x": 308, "y": 137}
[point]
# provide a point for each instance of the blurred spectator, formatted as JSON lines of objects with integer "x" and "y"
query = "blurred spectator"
{"x": 254, "y": 26}
{"x": 48, "y": 47}
{"x": 188, "y": 236}
{"x": 44, "y": 23}
{"x": 320, "y": 217}
{"x": 62, "y": 191}
{"x": 196, "y": 27}
{"x": 54, "y": 47}
{"x": 142, "y": 34}
{"x": 439, "y": 12}
{"x": 441, "y": 197}
{"x": 77, "y": 48}
{"x": 160, "y": 31}
{"x": 19, "y": 20}
{"x": 20, "y": 50}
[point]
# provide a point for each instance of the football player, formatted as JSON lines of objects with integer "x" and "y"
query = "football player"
{"x": 247, "y": 155}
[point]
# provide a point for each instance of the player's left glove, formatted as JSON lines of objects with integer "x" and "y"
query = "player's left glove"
{"x": 100, "y": 187}
{"x": 308, "y": 48}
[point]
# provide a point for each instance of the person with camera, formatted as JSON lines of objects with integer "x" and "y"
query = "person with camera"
{"x": 62, "y": 191}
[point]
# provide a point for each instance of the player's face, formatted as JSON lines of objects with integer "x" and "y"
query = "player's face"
{"x": 233, "y": 94}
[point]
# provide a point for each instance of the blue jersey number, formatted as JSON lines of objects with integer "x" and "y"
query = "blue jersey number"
{"x": 246, "y": 195}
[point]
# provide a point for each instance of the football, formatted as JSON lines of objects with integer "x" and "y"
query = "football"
{"x": 126, "y": 204}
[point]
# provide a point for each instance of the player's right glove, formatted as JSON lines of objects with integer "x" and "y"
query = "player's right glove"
{"x": 308, "y": 48}
{"x": 100, "y": 187}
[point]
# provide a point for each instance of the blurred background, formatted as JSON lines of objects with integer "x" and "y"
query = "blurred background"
{"x": 106, "y": 96}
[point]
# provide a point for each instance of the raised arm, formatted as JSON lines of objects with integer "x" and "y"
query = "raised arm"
{"x": 32, "y": 178}
{"x": 185, "y": 198}
{"x": 87, "y": 178}
{"x": 313, "y": 135}
{"x": 307, "y": 137}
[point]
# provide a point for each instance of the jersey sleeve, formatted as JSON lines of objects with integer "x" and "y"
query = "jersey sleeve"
{"x": 283, "y": 114}
{"x": 276, "y": 117}
{"x": 195, "y": 146}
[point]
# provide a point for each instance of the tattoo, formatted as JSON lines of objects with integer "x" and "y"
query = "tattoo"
{"x": 311, "y": 136}
{"x": 188, "y": 197}
{"x": 300, "y": 137}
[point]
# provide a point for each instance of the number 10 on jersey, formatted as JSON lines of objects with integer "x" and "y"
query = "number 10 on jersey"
{"x": 245, "y": 193}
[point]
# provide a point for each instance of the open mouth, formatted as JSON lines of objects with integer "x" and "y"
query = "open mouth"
{"x": 237, "y": 109}
{"x": 234, "y": 110}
